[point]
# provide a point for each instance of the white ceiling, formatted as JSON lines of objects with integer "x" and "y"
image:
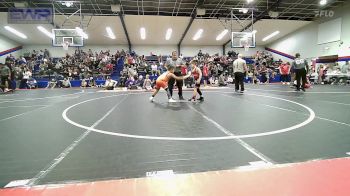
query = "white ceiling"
{"x": 156, "y": 27}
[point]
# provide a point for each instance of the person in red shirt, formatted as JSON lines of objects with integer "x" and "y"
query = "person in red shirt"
{"x": 205, "y": 74}
{"x": 284, "y": 71}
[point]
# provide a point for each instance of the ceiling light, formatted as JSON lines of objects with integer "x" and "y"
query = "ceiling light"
{"x": 254, "y": 32}
{"x": 270, "y": 36}
{"x": 143, "y": 33}
{"x": 198, "y": 34}
{"x": 323, "y": 2}
{"x": 110, "y": 33}
{"x": 14, "y": 31}
{"x": 46, "y": 32}
{"x": 67, "y": 3}
{"x": 243, "y": 10}
{"x": 168, "y": 33}
{"x": 221, "y": 35}
{"x": 81, "y": 32}
{"x": 249, "y": 1}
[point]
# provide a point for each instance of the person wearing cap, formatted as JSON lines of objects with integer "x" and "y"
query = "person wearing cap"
{"x": 300, "y": 68}
{"x": 239, "y": 69}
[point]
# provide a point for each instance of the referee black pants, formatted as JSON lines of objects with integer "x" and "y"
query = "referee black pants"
{"x": 179, "y": 84}
{"x": 300, "y": 74}
{"x": 239, "y": 81}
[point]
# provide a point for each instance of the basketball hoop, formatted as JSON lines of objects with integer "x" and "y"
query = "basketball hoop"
{"x": 244, "y": 43}
{"x": 65, "y": 45}
{"x": 246, "y": 47}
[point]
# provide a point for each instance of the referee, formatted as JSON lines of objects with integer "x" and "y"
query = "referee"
{"x": 177, "y": 63}
{"x": 239, "y": 69}
{"x": 300, "y": 68}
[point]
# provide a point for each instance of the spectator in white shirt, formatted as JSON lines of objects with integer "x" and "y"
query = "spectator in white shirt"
{"x": 26, "y": 75}
{"x": 66, "y": 83}
{"x": 147, "y": 84}
{"x": 110, "y": 84}
{"x": 154, "y": 69}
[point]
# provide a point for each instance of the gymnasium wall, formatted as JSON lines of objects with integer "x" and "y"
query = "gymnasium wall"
{"x": 6, "y": 44}
{"x": 305, "y": 40}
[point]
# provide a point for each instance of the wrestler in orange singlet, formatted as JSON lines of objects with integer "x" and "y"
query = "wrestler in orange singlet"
{"x": 162, "y": 82}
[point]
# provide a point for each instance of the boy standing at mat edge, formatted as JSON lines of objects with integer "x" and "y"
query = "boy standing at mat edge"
{"x": 162, "y": 82}
{"x": 197, "y": 75}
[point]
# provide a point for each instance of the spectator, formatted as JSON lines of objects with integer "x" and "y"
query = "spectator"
{"x": 84, "y": 83}
{"x": 154, "y": 68}
{"x": 200, "y": 54}
{"x": 46, "y": 54}
{"x": 32, "y": 84}
{"x": 139, "y": 82}
{"x": 26, "y": 75}
{"x": 229, "y": 79}
{"x": 66, "y": 83}
{"x": 5, "y": 74}
{"x": 52, "y": 83}
{"x": 147, "y": 83}
{"x": 130, "y": 82}
{"x": 284, "y": 69}
{"x": 222, "y": 81}
{"x": 205, "y": 74}
{"x": 110, "y": 84}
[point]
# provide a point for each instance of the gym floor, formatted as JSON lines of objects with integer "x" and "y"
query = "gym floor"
{"x": 79, "y": 135}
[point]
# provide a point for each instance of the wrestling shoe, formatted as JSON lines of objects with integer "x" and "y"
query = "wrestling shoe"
{"x": 151, "y": 99}
{"x": 171, "y": 100}
{"x": 201, "y": 99}
{"x": 194, "y": 99}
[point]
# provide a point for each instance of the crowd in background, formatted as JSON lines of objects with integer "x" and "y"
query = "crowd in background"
{"x": 89, "y": 66}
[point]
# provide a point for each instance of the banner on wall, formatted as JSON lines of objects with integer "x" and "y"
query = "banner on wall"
{"x": 30, "y": 16}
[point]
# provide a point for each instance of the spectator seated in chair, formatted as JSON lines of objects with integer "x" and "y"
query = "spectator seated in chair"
{"x": 131, "y": 83}
{"x": 139, "y": 82}
{"x": 32, "y": 84}
{"x": 222, "y": 81}
{"x": 110, "y": 84}
{"x": 147, "y": 83}
{"x": 84, "y": 83}
{"x": 66, "y": 83}
{"x": 52, "y": 83}
{"x": 229, "y": 79}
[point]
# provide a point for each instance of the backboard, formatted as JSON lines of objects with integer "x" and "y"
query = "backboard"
{"x": 243, "y": 39}
{"x": 67, "y": 35}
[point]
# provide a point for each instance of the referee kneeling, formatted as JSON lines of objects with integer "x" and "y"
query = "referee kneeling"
{"x": 239, "y": 69}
